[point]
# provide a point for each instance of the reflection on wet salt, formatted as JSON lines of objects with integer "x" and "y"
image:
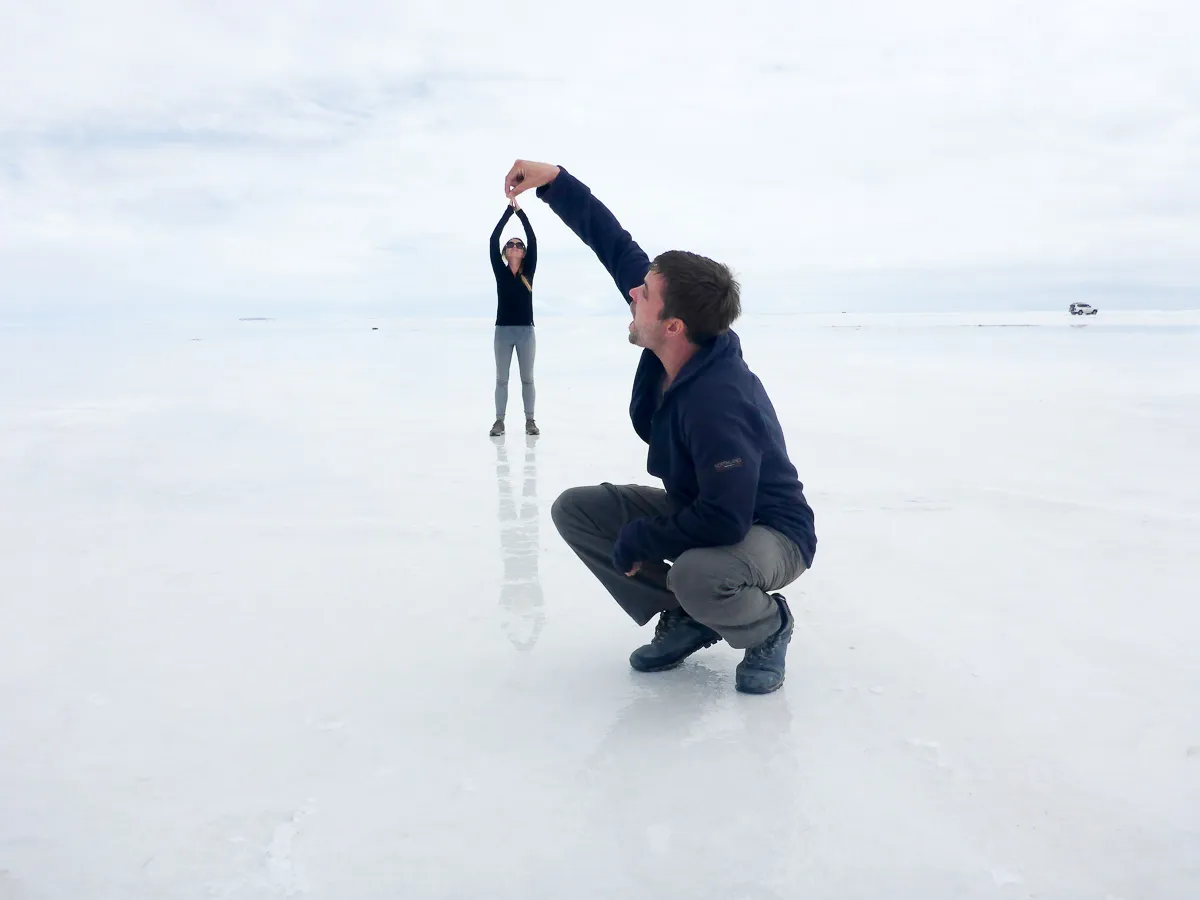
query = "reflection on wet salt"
{"x": 521, "y": 598}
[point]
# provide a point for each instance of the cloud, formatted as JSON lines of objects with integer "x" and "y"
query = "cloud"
{"x": 351, "y": 155}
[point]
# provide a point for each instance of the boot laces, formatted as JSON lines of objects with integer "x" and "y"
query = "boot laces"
{"x": 667, "y": 620}
{"x": 763, "y": 650}
{"x": 766, "y": 648}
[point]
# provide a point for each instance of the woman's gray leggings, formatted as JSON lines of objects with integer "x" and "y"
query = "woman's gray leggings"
{"x": 521, "y": 339}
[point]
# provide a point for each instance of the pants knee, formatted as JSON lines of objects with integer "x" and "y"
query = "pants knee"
{"x": 564, "y": 510}
{"x": 694, "y": 576}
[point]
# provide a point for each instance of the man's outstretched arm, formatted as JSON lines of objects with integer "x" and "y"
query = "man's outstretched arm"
{"x": 573, "y": 202}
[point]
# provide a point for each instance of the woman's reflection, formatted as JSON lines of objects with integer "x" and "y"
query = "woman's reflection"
{"x": 521, "y": 589}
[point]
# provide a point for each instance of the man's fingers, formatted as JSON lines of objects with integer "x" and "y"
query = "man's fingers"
{"x": 513, "y": 180}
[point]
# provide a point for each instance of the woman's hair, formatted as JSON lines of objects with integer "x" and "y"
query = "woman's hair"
{"x": 521, "y": 267}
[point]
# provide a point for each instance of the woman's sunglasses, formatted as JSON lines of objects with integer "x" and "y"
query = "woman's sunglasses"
{"x": 514, "y": 244}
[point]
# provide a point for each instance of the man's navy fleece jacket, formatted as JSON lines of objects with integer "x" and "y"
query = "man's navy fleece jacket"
{"x": 715, "y": 440}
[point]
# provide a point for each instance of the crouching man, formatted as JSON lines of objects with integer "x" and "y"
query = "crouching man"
{"x": 732, "y": 521}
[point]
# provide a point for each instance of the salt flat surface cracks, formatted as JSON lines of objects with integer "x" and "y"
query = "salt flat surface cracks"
{"x": 281, "y": 620}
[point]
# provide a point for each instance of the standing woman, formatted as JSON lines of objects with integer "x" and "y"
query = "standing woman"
{"x": 514, "y": 270}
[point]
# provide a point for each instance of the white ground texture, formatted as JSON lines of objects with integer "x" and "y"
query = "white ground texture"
{"x": 278, "y": 619}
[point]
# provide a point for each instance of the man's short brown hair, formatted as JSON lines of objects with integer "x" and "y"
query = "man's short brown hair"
{"x": 700, "y": 292}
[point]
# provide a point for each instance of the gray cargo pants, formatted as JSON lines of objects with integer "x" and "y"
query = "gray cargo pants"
{"x": 724, "y": 588}
{"x": 522, "y": 339}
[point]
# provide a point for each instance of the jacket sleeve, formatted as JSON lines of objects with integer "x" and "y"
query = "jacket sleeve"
{"x": 529, "y": 267}
{"x": 497, "y": 258}
{"x": 724, "y": 440}
{"x": 596, "y": 226}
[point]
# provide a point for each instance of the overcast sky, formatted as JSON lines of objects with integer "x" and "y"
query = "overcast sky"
{"x": 275, "y": 158}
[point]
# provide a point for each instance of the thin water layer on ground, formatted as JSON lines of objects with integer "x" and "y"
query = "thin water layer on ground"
{"x": 281, "y": 620}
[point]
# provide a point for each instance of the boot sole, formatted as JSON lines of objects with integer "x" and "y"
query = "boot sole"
{"x": 666, "y": 667}
{"x": 770, "y": 690}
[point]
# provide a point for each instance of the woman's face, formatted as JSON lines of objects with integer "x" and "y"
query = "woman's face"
{"x": 514, "y": 251}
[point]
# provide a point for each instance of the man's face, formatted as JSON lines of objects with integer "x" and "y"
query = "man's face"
{"x": 647, "y": 329}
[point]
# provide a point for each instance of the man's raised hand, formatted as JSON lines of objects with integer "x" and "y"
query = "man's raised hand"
{"x": 525, "y": 175}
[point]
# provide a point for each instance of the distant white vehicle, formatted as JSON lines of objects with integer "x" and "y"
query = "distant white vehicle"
{"x": 1082, "y": 309}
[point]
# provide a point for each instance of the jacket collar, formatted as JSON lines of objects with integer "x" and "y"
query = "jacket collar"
{"x": 721, "y": 347}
